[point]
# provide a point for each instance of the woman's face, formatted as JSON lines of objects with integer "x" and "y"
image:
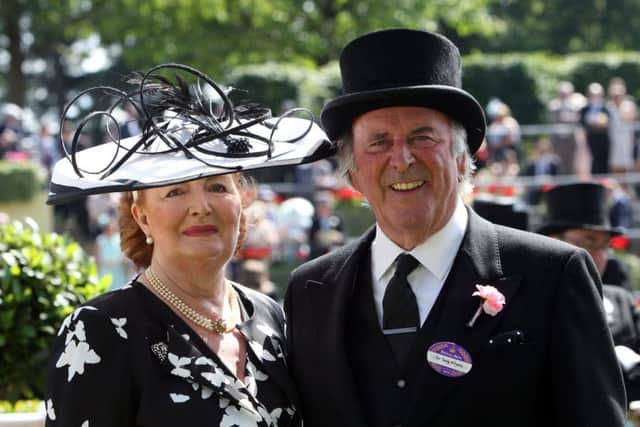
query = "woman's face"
{"x": 191, "y": 221}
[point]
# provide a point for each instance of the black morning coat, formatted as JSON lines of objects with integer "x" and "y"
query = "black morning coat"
{"x": 547, "y": 359}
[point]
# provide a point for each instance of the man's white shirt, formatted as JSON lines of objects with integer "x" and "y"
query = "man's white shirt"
{"x": 436, "y": 255}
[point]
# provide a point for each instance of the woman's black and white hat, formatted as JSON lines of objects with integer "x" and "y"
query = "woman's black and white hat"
{"x": 190, "y": 130}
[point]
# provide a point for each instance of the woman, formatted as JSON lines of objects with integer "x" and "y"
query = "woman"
{"x": 182, "y": 345}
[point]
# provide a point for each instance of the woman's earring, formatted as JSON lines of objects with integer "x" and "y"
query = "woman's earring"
{"x": 149, "y": 239}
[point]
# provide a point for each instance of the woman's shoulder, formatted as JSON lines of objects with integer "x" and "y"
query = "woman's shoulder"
{"x": 116, "y": 299}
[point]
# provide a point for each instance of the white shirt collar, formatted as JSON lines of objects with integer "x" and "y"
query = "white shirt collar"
{"x": 436, "y": 253}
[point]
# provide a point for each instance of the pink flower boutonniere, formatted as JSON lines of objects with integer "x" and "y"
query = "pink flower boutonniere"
{"x": 492, "y": 302}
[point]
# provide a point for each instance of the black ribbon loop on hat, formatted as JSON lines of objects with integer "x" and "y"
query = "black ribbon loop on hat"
{"x": 159, "y": 100}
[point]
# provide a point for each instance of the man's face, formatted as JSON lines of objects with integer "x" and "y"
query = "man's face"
{"x": 593, "y": 241}
{"x": 405, "y": 167}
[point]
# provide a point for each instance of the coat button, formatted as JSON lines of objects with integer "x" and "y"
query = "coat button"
{"x": 401, "y": 383}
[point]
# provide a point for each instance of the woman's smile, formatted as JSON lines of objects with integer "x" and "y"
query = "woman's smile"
{"x": 200, "y": 230}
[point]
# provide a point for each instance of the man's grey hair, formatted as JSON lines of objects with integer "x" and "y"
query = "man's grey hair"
{"x": 347, "y": 163}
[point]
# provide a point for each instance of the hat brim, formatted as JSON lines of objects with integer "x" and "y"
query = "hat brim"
{"x": 559, "y": 227}
{"x": 338, "y": 114}
{"x": 152, "y": 167}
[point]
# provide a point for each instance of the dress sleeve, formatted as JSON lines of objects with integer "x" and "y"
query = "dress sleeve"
{"x": 587, "y": 382}
{"x": 89, "y": 374}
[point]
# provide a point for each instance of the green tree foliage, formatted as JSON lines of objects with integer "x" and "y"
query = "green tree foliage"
{"x": 214, "y": 35}
{"x": 218, "y": 33}
{"x": 43, "y": 278}
{"x": 563, "y": 26}
{"x": 218, "y": 36}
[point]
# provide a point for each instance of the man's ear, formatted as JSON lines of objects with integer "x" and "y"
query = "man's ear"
{"x": 462, "y": 165}
{"x": 354, "y": 181}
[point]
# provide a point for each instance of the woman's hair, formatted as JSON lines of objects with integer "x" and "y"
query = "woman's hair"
{"x": 133, "y": 240}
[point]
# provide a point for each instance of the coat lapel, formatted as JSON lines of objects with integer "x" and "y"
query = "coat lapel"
{"x": 329, "y": 301}
{"x": 477, "y": 262}
{"x": 267, "y": 345}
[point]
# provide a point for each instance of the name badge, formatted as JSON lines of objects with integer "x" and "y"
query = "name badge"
{"x": 449, "y": 359}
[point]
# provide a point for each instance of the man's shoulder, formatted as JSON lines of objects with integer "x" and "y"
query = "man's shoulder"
{"x": 327, "y": 264}
{"x": 529, "y": 242}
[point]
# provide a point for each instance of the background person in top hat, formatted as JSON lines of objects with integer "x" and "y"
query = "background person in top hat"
{"x": 373, "y": 343}
{"x": 577, "y": 214}
{"x": 505, "y": 213}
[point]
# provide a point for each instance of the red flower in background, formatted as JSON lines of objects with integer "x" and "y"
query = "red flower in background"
{"x": 546, "y": 187}
{"x": 620, "y": 243}
{"x": 347, "y": 193}
{"x": 509, "y": 191}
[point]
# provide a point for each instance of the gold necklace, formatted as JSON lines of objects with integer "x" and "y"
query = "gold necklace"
{"x": 219, "y": 326}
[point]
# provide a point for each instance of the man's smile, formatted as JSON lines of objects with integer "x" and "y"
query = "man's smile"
{"x": 407, "y": 186}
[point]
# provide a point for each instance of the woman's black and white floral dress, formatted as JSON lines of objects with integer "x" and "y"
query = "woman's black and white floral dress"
{"x": 126, "y": 359}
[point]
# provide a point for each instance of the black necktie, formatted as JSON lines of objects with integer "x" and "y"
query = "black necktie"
{"x": 400, "y": 318}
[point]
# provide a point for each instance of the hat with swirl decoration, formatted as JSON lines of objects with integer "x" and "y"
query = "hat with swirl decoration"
{"x": 190, "y": 129}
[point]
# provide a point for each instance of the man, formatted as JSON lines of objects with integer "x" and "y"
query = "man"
{"x": 594, "y": 118}
{"x": 369, "y": 347}
{"x": 577, "y": 214}
{"x": 565, "y": 110}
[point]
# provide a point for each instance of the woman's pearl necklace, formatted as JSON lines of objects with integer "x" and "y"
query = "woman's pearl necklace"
{"x": 218, "y": 326}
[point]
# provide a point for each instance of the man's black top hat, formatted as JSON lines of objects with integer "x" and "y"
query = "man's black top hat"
{"x": 402, "y": 67}
{"x": 582, "y": 205}
{"x": 503, "y": 213}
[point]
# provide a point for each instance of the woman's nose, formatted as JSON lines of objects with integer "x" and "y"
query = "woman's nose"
{"x": 200, "y": 203}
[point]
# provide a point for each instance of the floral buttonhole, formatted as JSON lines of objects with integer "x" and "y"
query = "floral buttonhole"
{"x": 491, "y": 302}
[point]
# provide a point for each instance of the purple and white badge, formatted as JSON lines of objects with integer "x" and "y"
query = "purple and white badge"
{"x": 449, "y": 359}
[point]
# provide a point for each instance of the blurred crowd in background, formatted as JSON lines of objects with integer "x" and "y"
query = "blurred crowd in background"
{"x": 590, "y": 135}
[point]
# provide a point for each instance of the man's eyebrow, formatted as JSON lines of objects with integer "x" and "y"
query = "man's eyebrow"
{"x": 424, "y": 129}
{"x": 420, "y": 130}
{"x": 378, "y": 135}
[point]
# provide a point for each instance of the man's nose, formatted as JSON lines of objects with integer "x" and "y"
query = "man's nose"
{"x": 401, "y": 156}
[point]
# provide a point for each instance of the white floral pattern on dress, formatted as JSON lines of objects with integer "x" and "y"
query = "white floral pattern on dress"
{"x": 179, "y": 398}
{"x": 119, "y": 324}
{"x": 261, "y": 352}
{"x": 178, "y": 363}
{"x": 266, "y": 329}
{"x": 216, "y": 378}
{"x": 87, "y": 340}
{"x": 234, "y": 416}
{"x": 205, "y": 361}
{"x": 51, "y": 413}
{"x": 73, "y": 316}
{"x": 76, "y": 356}
{"x": 78, "y": 333}
{"x": 205, "y": 392}
{"x": 257, "y": 373}
{"x": 273, "y": 416}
